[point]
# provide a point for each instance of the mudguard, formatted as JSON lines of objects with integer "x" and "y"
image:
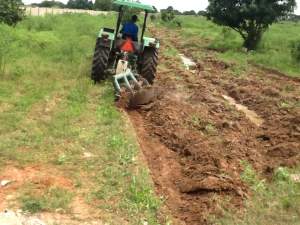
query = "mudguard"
{"x": 107, "y": 37}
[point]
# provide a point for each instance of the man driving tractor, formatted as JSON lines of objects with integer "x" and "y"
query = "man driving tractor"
{"x": 130, "y": 29}
{"x": 136, "y": 52}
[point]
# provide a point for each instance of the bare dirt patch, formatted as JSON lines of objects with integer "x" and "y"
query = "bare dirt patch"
{"x": 40, "y": 176}
{"x": 43, "y": 178}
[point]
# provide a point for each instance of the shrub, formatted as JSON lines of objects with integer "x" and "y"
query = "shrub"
{"x": 295, "y": 50}
{"x": 48, "y": 200}
{"x": 6, "y": 40}
{"x": 11, "y": 12}
{"x": 167, "y": 15}
{"x": 226, "y": 40}
{"x": 153, "y": 17}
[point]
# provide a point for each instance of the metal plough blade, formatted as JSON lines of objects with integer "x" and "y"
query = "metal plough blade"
{"x": 144, "y": 96}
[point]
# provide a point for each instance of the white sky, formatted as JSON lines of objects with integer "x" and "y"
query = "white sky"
{"x": 182, "y": 5}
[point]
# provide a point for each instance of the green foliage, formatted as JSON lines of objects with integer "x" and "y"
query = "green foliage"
{"x": 293, "y": 17}
{"x": 189, "y": 13}
{"x": 225, "y": 41}
{"x": 103, "y": 5}
{"x": 153, "y": 17}
{"x": 168, "y": 15}
{"x": 7, "y": 39}
{"x": 202, "y": 13}
{"x": 11, "y": 12}
{"x": 272, "y": 52}
{"x": 274, "y": 202}
{"x": 80, "y": 4}
{"x": 141, "y": 194}
{"x": 250, "y": 177}
{"x": 50, "y": 4}
{"x": 50, "y": 106}
{"x": 249, "y": 18}
{"x": 295, "y": 50}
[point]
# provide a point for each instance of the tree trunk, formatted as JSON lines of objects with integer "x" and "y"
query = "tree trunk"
{"x": 252, "y": 40}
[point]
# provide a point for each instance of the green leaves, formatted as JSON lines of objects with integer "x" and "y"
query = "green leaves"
{"x": 295, "y": 50}
{"x": 104, "y": 5}
{"x": 11, "y": 12}
{"x": 249, "y": 18}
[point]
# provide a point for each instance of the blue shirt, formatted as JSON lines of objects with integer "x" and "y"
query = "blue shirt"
{"x": 131, "y": 30}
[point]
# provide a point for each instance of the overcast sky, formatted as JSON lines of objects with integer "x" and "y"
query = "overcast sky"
{"x": 181, "y": 5}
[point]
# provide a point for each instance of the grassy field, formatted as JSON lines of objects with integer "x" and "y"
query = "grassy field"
{"x": 273, "y": 52}
{"x": 64, "y": 143}
{"x": 61, "y": 131}
{"x": 271, "y": 202}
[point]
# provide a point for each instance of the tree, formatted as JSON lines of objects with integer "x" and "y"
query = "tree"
{"x": 80, "y": 4}
{"x": 190, "y": 13}
{"x": 250, "y": 18}
{"x": 293, "y": 17}
{"x": 177, "y": 12}
{"x": 51, "y": 4}
{"x": 295, "y": 50}
{"x": 168, "y": 14}
{"x": 11, "y": 11}
{"x": 202, "y": 13}
{"x": 103, "y": 5}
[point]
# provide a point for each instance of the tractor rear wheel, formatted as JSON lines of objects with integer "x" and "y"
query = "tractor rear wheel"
{"x": 149, "y": 64}
{"x": 100, "y": 61}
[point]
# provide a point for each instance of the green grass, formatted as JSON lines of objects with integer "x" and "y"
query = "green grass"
{"x": 272, "y": 202}
{"x": 51, "y": 114}
{"x": 274, "y": 50}
{"x": 49, "y": 200}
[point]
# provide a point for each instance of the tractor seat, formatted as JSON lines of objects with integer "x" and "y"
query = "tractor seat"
{"x": 121, "y": 42}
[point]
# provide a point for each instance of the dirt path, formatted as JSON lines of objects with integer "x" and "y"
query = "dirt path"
{"x": 194, "y": 140}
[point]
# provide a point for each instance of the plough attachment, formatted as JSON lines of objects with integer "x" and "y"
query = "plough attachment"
{"x": 137, "y": 89}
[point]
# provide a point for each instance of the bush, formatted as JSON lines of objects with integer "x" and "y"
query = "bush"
{"x": 168, "y": 15}
{"x": 295, "y": 50}
{"x": 226, "y": 40}
{"x": 6, "y": 40}
{"x": 42, "y": 41}
{"x": 153, "y": 17}
{"x": 11, "y": 12}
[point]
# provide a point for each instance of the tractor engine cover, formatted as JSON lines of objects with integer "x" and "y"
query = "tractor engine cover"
{"x": 128, "y": 46}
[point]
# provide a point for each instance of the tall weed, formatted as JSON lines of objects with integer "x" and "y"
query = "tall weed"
{"x": 295, "y": 50}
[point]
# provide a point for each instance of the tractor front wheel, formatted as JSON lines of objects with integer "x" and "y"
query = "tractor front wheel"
{"x": 149, "y": 64}
{"x": 100, "y": 61}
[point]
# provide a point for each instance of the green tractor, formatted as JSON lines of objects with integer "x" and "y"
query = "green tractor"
{"x": 131, "y": 67}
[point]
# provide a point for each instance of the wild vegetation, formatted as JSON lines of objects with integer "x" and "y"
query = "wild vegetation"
{"x": 103, "y": 5}
{"x": 274, "y": 202}
{"x": 63, "y": 142}
{"x": 278, "y": 48}
{"x": 11, "y": 12}
{"x": 249, "y": 19}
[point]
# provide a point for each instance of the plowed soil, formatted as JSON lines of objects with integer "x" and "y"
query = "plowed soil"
{"x": 194, "y": 140}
